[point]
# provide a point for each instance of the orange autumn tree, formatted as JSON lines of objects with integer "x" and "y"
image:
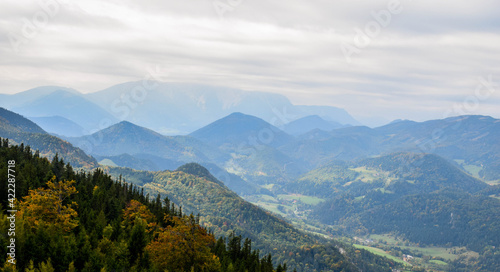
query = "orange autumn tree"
{"x": 183, "y": 246}
{"x": 46, "y": 206}
{"x": 138, "y": 220}
{"x": 135, "y": 210}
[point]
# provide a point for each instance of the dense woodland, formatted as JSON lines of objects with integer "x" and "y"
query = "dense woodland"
{"x": 78, "y": 221}
{"x": 447, "y": 217}
{"x": 421, "y": 198}
{"x": 21, "y": 130}
{"x": 224, "y": 212}
{"x": 88, "y": 221}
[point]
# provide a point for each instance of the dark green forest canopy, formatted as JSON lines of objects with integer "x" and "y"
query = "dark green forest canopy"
{"x": 99, "y": 236}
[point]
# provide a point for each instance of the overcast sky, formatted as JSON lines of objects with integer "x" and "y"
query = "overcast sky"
{"x": 378, "y": 59}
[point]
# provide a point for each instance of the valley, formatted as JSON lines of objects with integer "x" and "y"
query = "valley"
{"x": 315, "y": 193}
{"x": 249, "y": 136}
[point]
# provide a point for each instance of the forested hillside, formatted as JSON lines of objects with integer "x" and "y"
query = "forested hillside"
{"x": 444, "y": 217}
{"x": 69, "y": 221}
{"x": 79, "y": 221}
{"x": 223, "y": 212}
{"x": 470, "y": 140}
{"x": 420, "y": 198}
{"x": 21, "y": 130}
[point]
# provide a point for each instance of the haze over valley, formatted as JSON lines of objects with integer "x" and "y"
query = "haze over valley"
{"x": 249, "y": 136}
{"x": 321, "y": 171}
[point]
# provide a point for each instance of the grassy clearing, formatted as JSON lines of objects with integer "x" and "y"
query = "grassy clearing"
{"x": 267, "y": 198}
{"x": 271, "y": 204}
{"x": 311, "y": 200}
{"x": 441, "y": 252}
{"x": 473, "y": 170}
{"x": 384, "y": 237}
{"x": 270, "y": 207}
{"x": 380, "y": 252}
{"x": 268, "y": 186}
{"x": 370, "y": 175}
{"x": 435, "y": 252}
{"x": 366, "y": 175}
{"x": 470, "y": 168}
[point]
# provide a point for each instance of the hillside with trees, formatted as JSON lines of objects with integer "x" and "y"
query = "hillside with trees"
{"x": 23, "y": 131}
{"x": 224, "y": 212}
{"x": 89, "y": 221}
{"x": 78, "y": 221}
{"x": 420, "y": 198}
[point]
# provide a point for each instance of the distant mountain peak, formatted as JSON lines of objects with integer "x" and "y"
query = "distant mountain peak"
{"x": 470, "y": 118}
{"x": 398, "y": 121}
{"x": 127, "y": 123}
{"x": 70, "y": 105}
{"x": 237, "y": 128}
{"x": 310, "y": 123}
{"x": 46, "y": 90}
{"x": 127, "y": 126}
{"x": 239, "y": 114}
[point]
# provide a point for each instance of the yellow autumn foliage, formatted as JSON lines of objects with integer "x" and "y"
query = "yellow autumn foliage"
{"x": 47, "y": 206}
{"x": 183, "y": 246}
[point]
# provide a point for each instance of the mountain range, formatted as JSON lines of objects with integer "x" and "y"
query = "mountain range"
{"x": 422, "y": 198}
{"x": 310, "y": 123}
{"x": 362, "y": 176}
{"x": 168, "y": 108}
{"x": 262, "y": 153}
{"x": 236, "y": 129}
{"x": 470, "y": 141}
{"x": 20, "y": 130}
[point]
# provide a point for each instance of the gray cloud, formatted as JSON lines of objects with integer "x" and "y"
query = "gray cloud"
{"x": 428, "y": 57}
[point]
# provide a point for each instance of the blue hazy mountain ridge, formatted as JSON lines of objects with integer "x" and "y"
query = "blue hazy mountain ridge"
{"x": 427, "y": 172}
{"x": 319, "y": 147}
{"x": 128, "y": 138}
{"x": 180, "y": 108}
{"x": 396, "y": 174}
{"x": 14, "y": 122}
{"x": 19, "y": 129}
{"x": 251, "y": 140}
{"x": 472, "y": 140}
{"x": 168, "y": 108}
{"x": 254, "y": 144}
{"x": 332, "y": 114}
{"x": 237, "y": 128}
{"x": 68, "y": 105}
{"x": 310, "y": 123}
{"x": 26, "y": 97}
{"x": 59, "y": 126}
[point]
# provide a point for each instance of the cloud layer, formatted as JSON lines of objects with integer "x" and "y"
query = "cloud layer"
{"x": 380, "y": 60}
